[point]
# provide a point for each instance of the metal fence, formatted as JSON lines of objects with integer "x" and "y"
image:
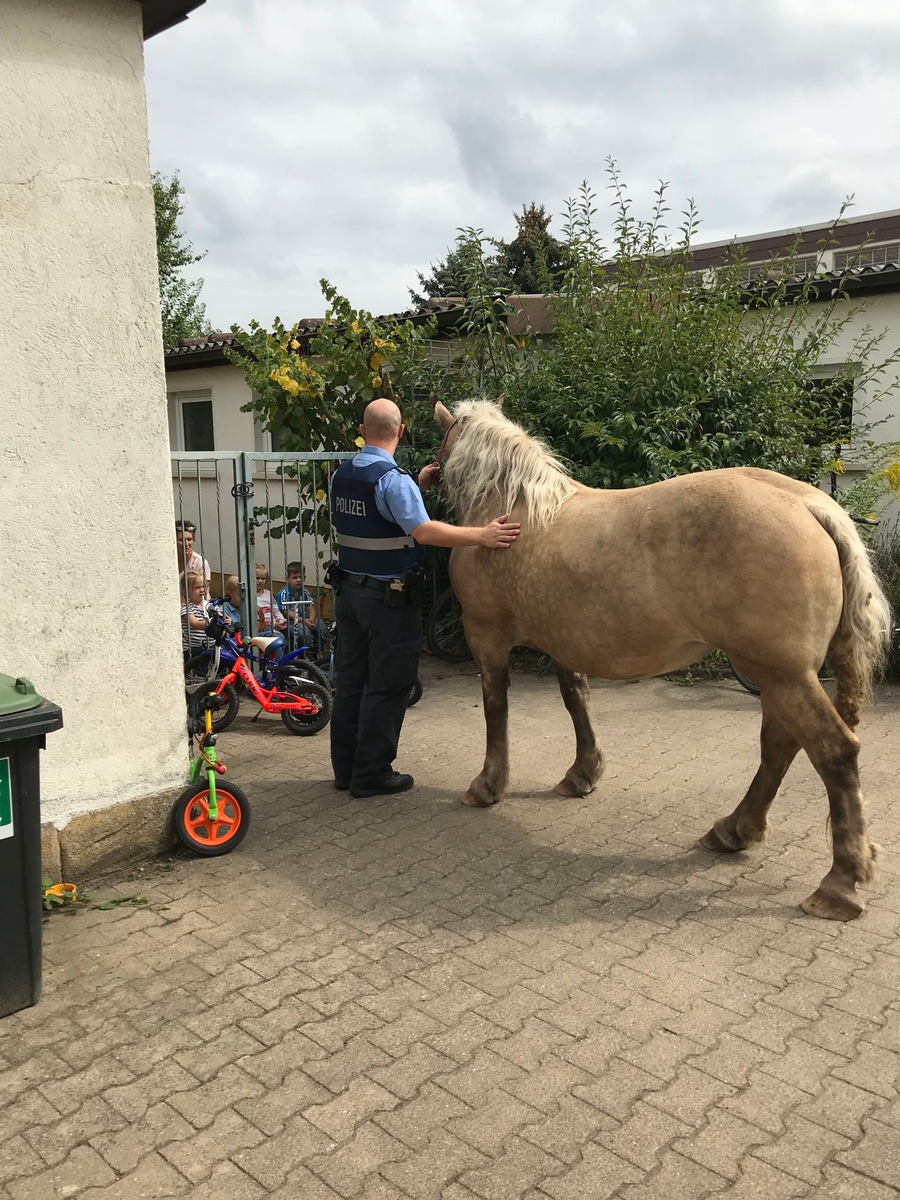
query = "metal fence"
{"x": 249, "y": 509}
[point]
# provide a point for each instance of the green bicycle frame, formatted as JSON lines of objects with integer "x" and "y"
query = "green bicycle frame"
{"x": 206, "y": 760}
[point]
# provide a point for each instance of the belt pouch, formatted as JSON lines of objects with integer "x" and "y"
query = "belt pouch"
{"x": 394, "y": 594}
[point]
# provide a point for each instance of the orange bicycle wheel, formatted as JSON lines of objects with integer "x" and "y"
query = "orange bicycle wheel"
{"x": 204, "y": 836}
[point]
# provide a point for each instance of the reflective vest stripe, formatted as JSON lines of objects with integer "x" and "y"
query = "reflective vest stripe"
{"x": 358, "y": 543}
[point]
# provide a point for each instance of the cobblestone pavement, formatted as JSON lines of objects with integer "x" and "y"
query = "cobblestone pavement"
{"x": 555, "y": 998}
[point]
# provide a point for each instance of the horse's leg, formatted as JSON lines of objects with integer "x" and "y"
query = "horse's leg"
{"x": 748, "y": 823}
{"x": 806, "y": 712}
{"x": 833, "y": 750}
{"x": 488, "y": 787}
{"x": 587, "y": 768}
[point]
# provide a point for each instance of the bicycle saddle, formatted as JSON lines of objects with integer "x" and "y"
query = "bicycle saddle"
{"x": 264, "y": 641}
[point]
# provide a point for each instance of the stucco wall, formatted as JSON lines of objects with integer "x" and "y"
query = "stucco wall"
{"x": 87, "y": 558}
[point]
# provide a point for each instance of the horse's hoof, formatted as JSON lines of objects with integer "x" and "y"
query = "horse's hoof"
{"x": 568, "y": 787}
{"x": 475, "y": 799}
{"x": 714, "y": 840}
{"x": 725, "y": 840}
{"x": 833, "y": 906}
{"x": 711, "y": 841}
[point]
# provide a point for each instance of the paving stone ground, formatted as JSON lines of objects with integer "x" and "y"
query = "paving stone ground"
{"x": 404, "y": 998}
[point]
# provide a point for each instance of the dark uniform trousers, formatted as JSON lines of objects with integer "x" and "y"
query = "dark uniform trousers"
{"x": 376, "y": 661}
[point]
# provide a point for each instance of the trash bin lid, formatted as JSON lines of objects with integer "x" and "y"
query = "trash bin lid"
{"x": 17, "y": 695}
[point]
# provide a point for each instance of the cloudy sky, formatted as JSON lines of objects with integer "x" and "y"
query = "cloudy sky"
{"x": 352, "y": 138}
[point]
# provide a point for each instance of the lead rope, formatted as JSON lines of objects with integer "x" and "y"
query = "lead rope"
{"x": 442, "y": 449}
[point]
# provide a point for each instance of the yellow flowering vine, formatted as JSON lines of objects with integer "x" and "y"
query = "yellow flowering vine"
{"x": 892, "y": 476}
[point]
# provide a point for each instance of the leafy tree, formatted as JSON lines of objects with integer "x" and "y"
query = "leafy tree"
{"x": 535, "y": 261}
{"x": 651, "y": 371}
{"x": 485, "y": 353}
{"x": 449, "y": 277}
{"x": 183, "y": 314}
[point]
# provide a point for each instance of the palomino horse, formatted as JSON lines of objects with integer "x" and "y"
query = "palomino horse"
{"x": 769, "y": 570}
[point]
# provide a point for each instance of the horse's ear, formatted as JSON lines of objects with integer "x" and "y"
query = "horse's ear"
{"x": 499, "y": 400}
{"x": 442, "y": 415}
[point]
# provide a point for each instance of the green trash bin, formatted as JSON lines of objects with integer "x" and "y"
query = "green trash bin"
{"x": 25, "y": 720}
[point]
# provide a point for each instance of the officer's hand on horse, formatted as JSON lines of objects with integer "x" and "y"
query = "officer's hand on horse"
{"x": 500, "y": 533}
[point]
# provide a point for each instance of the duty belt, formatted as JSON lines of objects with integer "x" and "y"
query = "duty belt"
{"x": 366, "y": 581}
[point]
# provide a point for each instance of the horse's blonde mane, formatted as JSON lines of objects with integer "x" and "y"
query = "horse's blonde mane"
{"x": 493, "y": 463}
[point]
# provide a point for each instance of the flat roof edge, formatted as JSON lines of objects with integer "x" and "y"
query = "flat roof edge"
{"x": 794, "y": 230}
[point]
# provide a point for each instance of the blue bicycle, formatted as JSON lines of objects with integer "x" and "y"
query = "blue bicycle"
{"x": 261, "y": 655}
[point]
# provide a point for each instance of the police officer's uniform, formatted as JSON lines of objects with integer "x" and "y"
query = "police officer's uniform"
{"x": 374, "y": 507}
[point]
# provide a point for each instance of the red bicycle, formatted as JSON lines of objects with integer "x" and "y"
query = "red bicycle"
{"x": 303, "y": 705}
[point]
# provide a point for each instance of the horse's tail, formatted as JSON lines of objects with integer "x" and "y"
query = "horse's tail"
{"x": 858, "y": 650}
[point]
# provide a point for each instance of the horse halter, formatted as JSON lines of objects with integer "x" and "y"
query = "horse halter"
{"x": 442, "y": 449}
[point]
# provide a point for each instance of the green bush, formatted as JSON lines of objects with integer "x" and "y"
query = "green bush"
{"x": 655, "y": 372}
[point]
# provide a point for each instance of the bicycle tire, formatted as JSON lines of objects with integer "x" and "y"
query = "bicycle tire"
{"x": 198, "y": 833}
{"x": 747, "y": 684}
{"x": 303, "y": 668}
{"x": 200, "y": 668}
{"x": 301, "y": 724}
{"x": 221, "y": 717}
{"x": 444, "y": 633}
{"x": 415, "y": 693}
{"x": 544, "y": 666}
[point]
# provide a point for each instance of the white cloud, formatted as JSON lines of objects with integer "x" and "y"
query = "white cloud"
{"x": 350, "y": 140}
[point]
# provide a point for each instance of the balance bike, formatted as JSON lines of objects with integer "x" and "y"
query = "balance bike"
{"x": 210, "y": 818}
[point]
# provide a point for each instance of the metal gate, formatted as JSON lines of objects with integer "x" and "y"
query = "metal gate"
{"x": 270, "y": 509}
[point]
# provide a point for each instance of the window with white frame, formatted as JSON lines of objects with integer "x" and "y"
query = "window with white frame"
{"x": 265, "y": 441}
{"x": 794, "y": 268}
{"x": 830, "y": 392}
{"x": 867, "y": 256}
{"x": 196, "y": 429}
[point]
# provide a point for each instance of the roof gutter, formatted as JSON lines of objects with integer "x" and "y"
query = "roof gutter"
{"x": 160, "y": 15}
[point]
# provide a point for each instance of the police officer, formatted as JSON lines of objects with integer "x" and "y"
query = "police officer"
{"x": 380, "y": 524}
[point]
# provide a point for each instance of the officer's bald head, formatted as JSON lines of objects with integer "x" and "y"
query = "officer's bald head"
{"x": 381, "y": 421}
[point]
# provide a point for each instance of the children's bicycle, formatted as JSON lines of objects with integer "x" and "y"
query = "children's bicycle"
{"x": 294, "y": 689}
{"x": 263, "y": 653}
{"x": 210, "y": 818}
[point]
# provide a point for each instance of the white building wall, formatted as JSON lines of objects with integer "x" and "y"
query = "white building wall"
{"x": 877, "y": 313}
{"x": 87, "y": 559}
{"x": 876, "y": 405}
{"x": 234, "y": 430}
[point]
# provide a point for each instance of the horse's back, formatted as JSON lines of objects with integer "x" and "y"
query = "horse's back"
{"x": 740, "y": 524}
{"x": 649, "y": 575}
{"x": 694, "y": 513}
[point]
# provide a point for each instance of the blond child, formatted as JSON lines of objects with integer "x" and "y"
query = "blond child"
{"x": 271, "y": 619}
{"x": 193, "y": 615}
{"x": 231, "y": 607}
